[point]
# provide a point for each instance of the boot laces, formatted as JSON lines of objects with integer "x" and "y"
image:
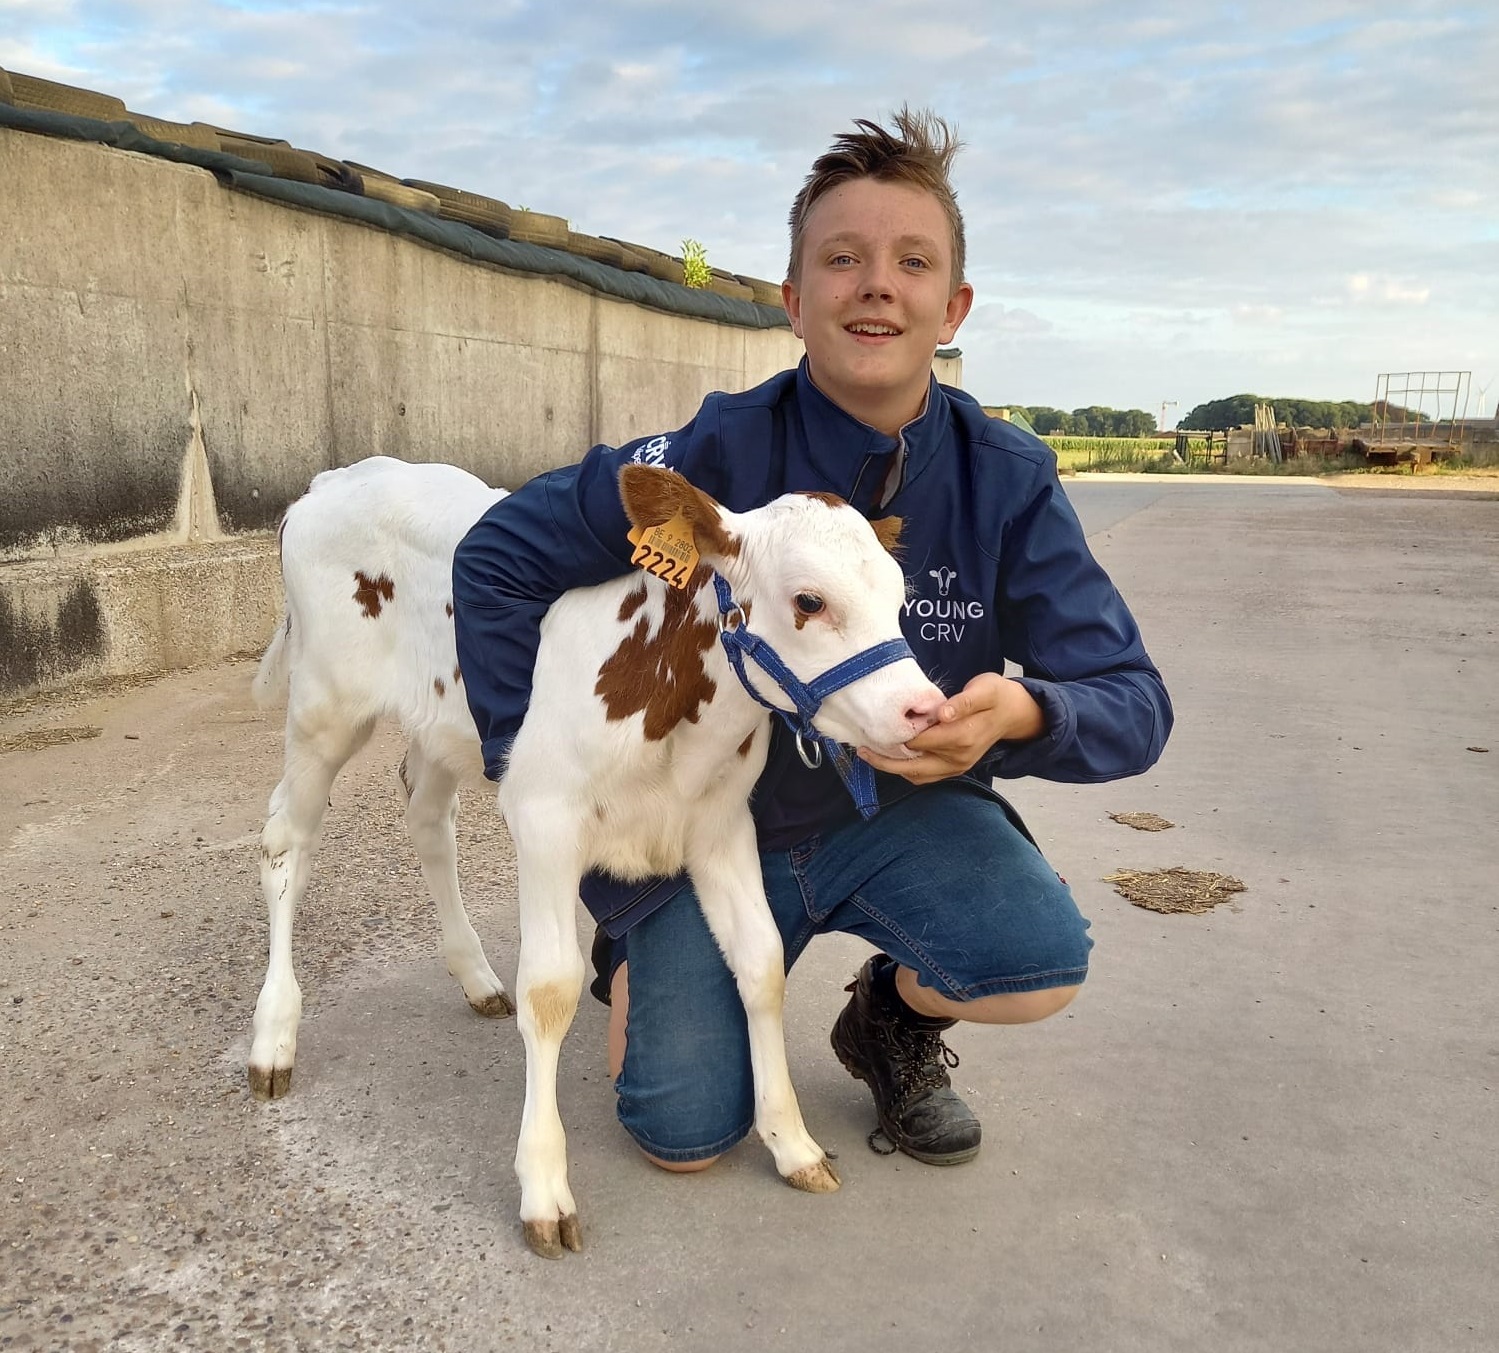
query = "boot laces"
{"x": 922, "y": 1058}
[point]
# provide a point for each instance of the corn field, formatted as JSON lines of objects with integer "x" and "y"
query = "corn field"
{"x": 1116, "y": 453}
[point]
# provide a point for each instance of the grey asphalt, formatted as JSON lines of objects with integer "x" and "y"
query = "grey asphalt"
{"x": 1272, "y": 1126}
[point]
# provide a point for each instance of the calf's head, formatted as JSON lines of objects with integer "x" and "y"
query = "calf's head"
{"x": 819, "y": 584}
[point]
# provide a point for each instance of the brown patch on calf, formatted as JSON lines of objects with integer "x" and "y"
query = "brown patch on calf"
{"x": 831, "y": 499}
{"x": 550, "y": 1008}
{"x": 439, "y": 686}
{"x": 448, "y": 608}
{"x": 744, "y": 747}
{"x": 370, "y": 593}
{"x": 652, "y": 495}
{"x": 663, "y": 676}
{"x": 457, "y": 675}
{"x": 632, "y": 603}
{"x": 887, "y": 531}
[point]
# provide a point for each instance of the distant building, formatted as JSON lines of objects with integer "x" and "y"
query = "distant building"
{"x": 1011, "y": 416}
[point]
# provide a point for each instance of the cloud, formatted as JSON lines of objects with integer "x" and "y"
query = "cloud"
{"x": 1258, "y": 314}
{"x": 1363, "y": 287}
{"x": 995, "y": 318}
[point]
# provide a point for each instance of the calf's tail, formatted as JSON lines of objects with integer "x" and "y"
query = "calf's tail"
{"x": 272, "y": 677}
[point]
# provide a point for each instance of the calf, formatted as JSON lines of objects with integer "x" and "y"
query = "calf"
{"x": 637, "y": 755}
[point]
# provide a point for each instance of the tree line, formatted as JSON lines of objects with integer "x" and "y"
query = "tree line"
{"x": 1094, "y": 421}
{"x": 1216, "y": 415}
{"x": 1237, "y": 410}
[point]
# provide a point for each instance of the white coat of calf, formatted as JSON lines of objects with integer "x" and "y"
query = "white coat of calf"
{"x": 366, "y": 563}
{"x": 637, "y": 755}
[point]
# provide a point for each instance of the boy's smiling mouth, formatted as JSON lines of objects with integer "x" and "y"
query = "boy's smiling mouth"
{"x": 871, "y": 328}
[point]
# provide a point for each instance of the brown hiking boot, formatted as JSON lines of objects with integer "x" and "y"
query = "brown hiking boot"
{"x": 900, "y": 1055}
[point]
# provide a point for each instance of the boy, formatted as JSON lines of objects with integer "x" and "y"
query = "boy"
{"x": 968, "y": 919}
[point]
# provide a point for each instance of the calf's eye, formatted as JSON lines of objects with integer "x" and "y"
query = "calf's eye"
{"x": 808, "y": 603}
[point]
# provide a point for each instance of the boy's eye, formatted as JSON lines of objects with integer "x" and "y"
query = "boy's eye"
{"x": 808, "y": 603}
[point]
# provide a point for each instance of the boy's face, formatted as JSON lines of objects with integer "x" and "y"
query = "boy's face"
{"x": 876, "y": 298}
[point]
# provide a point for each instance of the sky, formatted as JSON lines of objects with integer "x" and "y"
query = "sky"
{"x": 1165, "y": 204}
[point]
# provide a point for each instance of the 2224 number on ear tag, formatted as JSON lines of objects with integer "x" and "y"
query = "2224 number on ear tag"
{"x": 667, "y": 550}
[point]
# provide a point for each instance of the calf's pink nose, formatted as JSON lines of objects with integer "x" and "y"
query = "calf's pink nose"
{"x": 922, "y": 713}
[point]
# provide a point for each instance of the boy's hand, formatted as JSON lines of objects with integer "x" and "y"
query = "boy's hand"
{"x": 989, "y": 709}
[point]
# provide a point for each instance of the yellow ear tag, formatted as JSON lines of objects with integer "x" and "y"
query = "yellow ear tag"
{"x": 667, "y": 550}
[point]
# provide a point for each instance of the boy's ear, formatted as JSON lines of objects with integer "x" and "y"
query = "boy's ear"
{"x": 958, "y": 306}
{"x": 791, "y": 303}
{"x": 887, "y": 531}
{"x": 652, "y": 494}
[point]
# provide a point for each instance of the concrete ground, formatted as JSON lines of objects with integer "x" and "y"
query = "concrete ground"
{"x": 1272, "y": 1126}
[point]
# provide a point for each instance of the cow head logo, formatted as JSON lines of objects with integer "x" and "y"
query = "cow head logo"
{"x": 944, "y": 577}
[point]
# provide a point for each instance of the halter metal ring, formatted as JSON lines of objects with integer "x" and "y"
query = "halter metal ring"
{"x": 736, "y": 616}
{"x": 809, "y": 761}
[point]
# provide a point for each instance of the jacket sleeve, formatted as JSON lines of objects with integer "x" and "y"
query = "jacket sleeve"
{"x": 564, "y": 529}
{"x": 1062, "y": 621}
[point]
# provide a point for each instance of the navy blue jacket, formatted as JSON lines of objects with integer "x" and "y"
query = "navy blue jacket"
{"x": 995, "y": 560}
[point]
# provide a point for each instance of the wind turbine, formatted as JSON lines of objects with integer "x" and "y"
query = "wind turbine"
{"x": 1483, "y": 390}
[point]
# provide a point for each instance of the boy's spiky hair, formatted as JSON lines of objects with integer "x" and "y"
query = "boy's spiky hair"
{"x": 918, "y": 151}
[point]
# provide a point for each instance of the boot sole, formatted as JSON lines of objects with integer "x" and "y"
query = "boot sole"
{"x": 925, "y": 1157}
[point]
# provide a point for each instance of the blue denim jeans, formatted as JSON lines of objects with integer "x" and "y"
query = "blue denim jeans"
{"x": 944, "y": 881}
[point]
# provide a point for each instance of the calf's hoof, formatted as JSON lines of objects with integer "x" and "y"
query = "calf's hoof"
{"x": 498, "y": 1006}
{"x": 270, "y": 1082}
{"x": 550, "y": 1238}
{"x": 818, "y": 1178}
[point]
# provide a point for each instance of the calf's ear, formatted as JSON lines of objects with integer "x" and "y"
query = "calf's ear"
{"x": 652, "y": 495}
{"x": 887, "y": 531}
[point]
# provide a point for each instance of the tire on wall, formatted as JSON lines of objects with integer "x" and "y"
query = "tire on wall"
{"x": 288, "y": 162}
{"x": 399, "y": 195}
{"x": 600, "y": 251}
{"x": 488, "y": 214}
{"x": 634, "y": 259}
{"x": 198, "y": 134}
{"x": 766, "y": 293}
{"x": 367, "y": 173}
{"x": 726, "y": 284}
{"x": 535, "y": 227}
{"x": 31, "y": 91}
{"x": 658, "y": 265}
{"x": 284, "y": 161}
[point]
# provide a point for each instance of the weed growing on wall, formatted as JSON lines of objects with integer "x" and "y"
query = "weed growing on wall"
{"x": 695, "y": 269}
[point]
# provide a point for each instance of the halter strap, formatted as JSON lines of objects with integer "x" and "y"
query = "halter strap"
{"x": 739, "y": 644}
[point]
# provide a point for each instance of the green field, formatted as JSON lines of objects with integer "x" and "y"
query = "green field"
{"x": 1111, "y": 453}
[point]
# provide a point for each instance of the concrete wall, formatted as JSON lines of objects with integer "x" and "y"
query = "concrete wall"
{"x": 177, "y": 361}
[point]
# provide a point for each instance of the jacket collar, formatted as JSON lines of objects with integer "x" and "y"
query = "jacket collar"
{"x": 852, "y": 458}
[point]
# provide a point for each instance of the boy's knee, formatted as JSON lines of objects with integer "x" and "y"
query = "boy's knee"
{"x": 679, "y": 1166}
{"x": 1006, "y": 1007}
{"x": 1026, "y": 1007}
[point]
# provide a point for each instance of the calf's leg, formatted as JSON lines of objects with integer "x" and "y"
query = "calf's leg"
{"x": 431, "y": 818}
{"x": 316, "y": 749}
{"x": 548, "y": 984}
{"x": 726, "y": 875}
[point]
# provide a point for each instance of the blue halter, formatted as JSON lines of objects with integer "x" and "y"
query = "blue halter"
{"x": 739, "y": 644}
